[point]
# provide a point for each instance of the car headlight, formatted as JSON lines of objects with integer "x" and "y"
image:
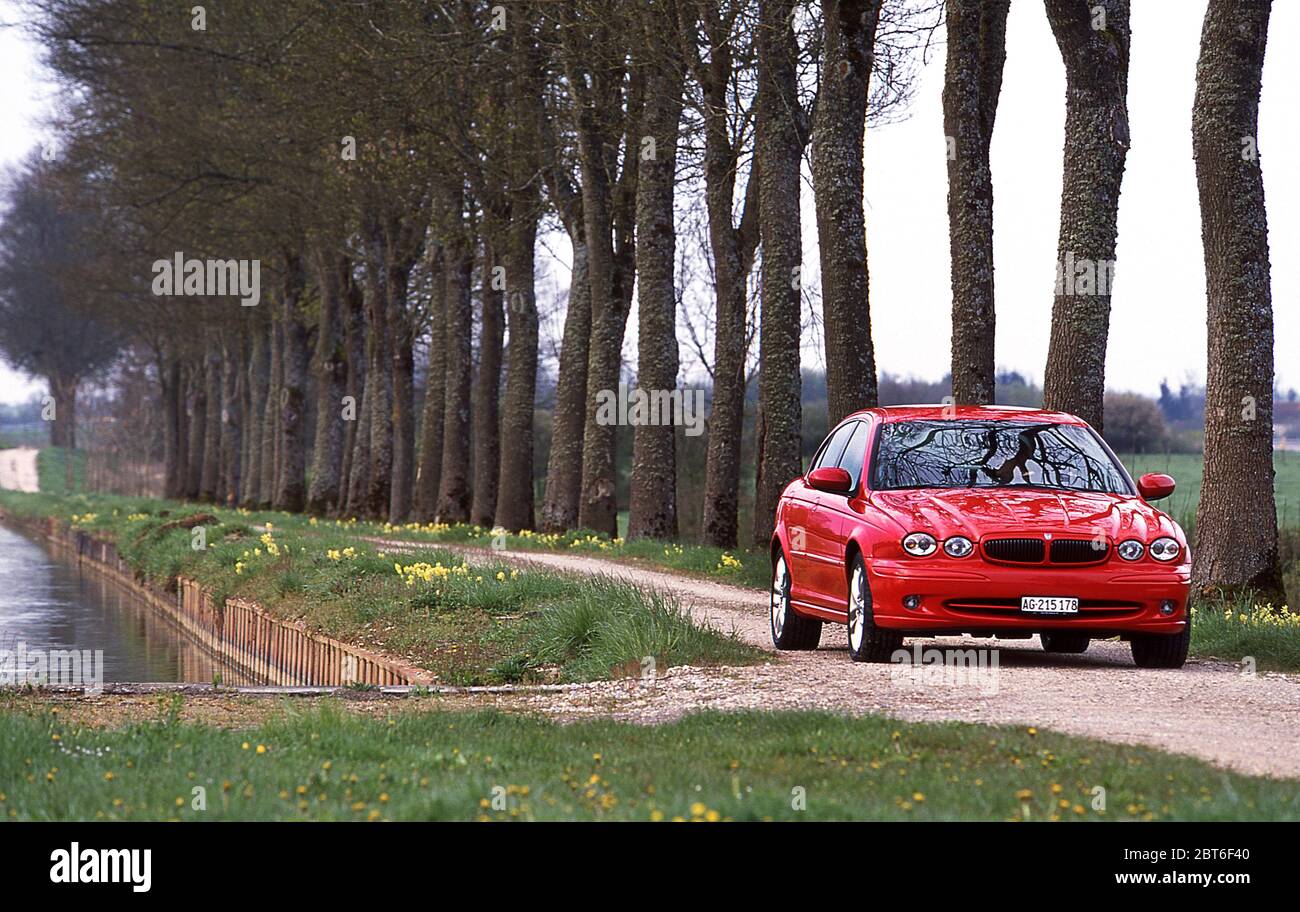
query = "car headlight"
{"x": 920, "y": 544}
{"x": 1130, "y": 550}
{"x": 1165, "y": 549}
{"x": 958, "y": 546}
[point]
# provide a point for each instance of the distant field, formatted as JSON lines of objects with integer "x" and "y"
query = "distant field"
{"x": 1187, "y": 469}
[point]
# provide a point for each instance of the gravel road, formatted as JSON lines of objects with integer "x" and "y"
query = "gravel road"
{"x": 18, "y": 469}
{"x": 1208, "y": 709}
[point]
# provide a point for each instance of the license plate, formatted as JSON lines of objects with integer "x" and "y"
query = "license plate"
{"x": 1048, "y": 604}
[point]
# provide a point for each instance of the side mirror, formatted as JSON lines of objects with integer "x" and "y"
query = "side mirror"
{"x": 1154, "y": 486}
{"x": 832, "y": 479}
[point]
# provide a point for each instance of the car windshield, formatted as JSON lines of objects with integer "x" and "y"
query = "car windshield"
{"x": 991, "y": 454}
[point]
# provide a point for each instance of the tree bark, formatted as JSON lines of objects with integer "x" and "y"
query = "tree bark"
{"x": 569, "y": 419}
{"x": 429, "y": 474}
{"x": 839, "y": 128}
{"x": 653, "y": 497}
{"x": 1236, "y": 522}
{"x": 972, "y": 84}
{"x": 487, "y": 390}
{"x": 352, "y": 313}
{"x": 733, "y": 248}
{"x": 1094, "y": 43}
{"x": 379, "y": 372}
{"x": 169, "y": 377}
{"x": 291, "y": 490}
{"x": 330, "y": 366}
{"x": 258, "y": 380}
{"x": 271, "y": 420}
{"x": 63, "y": 433}
{"x": 232, "y": 390}
{"x": 454, "y": 480}
{"x": 210, "y": 473}
{"x": 198, "y": 423}
{"x": 779, "y": 146}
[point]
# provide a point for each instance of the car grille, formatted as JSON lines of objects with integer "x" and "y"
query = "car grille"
{"x": 1015, "y": 550}
{"x": 1036, "y": 551}
{"x": 1075, "y": 551}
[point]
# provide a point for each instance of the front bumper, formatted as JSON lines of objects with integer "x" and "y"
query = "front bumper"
{"x": 984, "y": 599}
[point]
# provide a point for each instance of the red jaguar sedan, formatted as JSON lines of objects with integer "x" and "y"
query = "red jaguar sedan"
{"x": 986, "y": 520}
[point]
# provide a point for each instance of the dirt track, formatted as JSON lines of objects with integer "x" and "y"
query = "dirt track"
{"x": 1207, "y": 709}
{"x": 18, "y": 469}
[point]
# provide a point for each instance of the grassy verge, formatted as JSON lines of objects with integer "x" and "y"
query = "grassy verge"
{"x": 1267, "y": 635}
{"x": 328, "y": 764}
{"x": 52, "y": 470}
{"x": 468, "y": 623}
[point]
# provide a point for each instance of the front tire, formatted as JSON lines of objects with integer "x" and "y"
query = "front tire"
{"x": 867, "y": 642}
{"x": 790, "y": 630}
{"x": 1152, "y": 650}
{"x": 1065, "y": 641}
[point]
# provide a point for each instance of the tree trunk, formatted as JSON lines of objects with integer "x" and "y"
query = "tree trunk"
{"x": 972, "y": 84}
{"x": 429, "y": 473}
{"x": 210, "y": 473}
{"x": 838, "y": 132}
{"x": 169, "y": 375}
{"x": 453, "y": 488}
{"x": 330, "y": 366}
{"x": 271, "y": 421}
{"x": 63, "y": 433}
{"x": 197, "y": 427}
{"x": 778, "y": 146}
{"x": 569, "y": 419}
{"x": 1236, "y": 522}
{"x": 402, "y": 358}
{"x": 291, "y": 491}
{"x": 259, "y": 370}
{"x": 653, "y": 499}
{"x": 379, "y": 393}
{"x": 352, "y": 312}
{"x": 232, "y": 390}
{"x": 1094, "y": 43}
{"x": 733, "y": 257}
{"x": 487, "y": 387}
{"x": 514, "y": 506}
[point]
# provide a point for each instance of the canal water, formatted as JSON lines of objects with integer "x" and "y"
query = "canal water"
{"x": 48, "y": 603}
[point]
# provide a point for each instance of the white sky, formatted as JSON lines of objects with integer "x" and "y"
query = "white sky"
{"x": 1158, "y": 316}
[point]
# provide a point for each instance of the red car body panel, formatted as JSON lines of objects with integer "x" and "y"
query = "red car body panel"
{"x": 818, "y": 530}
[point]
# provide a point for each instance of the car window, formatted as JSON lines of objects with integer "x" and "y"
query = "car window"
{"x": 829, "y": 454}
{"x": 990, "y": 454}
{"x": 854, "y": 453}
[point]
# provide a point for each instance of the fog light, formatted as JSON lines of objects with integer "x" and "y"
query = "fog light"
{"x": 911, "y": 602}
{"x": 1167, "y": 607}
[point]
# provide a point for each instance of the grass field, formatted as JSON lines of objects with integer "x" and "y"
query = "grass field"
{"x": 477, "y": 623}
{"x": 1187, "y": 469}
{"x": 52, "y": 470}
{"x": 329, "y": 764}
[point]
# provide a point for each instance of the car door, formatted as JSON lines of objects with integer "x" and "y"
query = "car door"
{"x": 827, "y": 522}
{"x": 798, "y": 510}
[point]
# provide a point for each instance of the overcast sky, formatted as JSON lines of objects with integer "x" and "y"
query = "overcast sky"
{"x": 1158, "y": 317}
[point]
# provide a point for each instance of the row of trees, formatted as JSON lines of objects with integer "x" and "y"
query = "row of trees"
{"x": 391, "y": 166}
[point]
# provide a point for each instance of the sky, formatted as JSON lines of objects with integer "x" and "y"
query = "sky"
{"x": 1158, "y": 309}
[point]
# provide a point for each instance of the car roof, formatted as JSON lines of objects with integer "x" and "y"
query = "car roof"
{"x": 941, "y": 412}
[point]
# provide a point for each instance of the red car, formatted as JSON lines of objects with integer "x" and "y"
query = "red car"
{"x": 987, "y": 520}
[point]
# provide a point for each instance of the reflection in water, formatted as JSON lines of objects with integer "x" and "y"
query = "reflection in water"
{"x": 47, "y": 602}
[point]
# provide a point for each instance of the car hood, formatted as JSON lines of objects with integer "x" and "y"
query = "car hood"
{"x": 980, "y": 512}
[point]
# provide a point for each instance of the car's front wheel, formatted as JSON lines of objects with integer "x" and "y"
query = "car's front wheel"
{"x": 867, "y": 642}
{"x": 1152, "y": 650}
{"x": 790, "y": 630}
{"x": 1065, "y": 641}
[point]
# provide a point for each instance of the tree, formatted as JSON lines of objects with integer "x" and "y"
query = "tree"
{"x": 653, "y": 508}
{"x": 1094, "y": 43}
{"x": 1236, "y": 522}
{"x": 972, "y": 84}
{"x": 839, "y": 126}
{"x": 778, "y": 145}
{"x": 42, "y": 329}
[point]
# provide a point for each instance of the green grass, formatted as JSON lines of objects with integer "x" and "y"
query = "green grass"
{"x": 479, "y": 623}
{"x": 1267, "y": 635}
{"x": 52, "y": 470}
{"x": 328, "y": 764}
{"x": 1188, "y": 470}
